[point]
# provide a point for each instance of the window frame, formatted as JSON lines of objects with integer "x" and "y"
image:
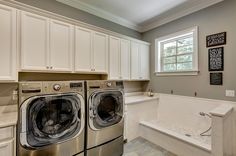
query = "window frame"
{"x": 173, "y": 37}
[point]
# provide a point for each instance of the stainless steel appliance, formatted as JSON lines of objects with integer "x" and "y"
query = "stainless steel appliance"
{"x": 105, "y": 118}
{"x": 51, "y": 118}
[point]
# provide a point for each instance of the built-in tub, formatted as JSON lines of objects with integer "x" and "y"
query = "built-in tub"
{"x": 187, "y": 135}
{"x": 179, "y": 124}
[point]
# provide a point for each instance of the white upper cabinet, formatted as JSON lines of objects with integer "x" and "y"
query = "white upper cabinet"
{"x": 61, "y": 46}
{"x": 144, "y": 62}
{"x": 91, "y": 51}
{"x": 83, "y": 50}
{"x": 100, "y": 52}
{"x": 56, "y": 46}
{"x": 8, "y": 56}
{"x": 45, "y": 44}
{"x": 125, "y": 59}
{"x": 34, "y": 42}
{"x": 135, "y": 61}
{"x": 140, "y": 61}
{"x": 119, "y": 66}
{"x": 114, "y": 59}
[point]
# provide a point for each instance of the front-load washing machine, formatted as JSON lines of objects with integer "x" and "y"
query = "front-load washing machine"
{"x": 105, "y": 118}
{"x": 51, "y": 118}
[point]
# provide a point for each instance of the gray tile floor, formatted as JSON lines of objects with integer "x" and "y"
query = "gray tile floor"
{"x": 142, "y": 147}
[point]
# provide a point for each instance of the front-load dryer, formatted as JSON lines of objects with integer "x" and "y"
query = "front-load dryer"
{"x": 51, "y": 118}
{"x": 105, "y": 118}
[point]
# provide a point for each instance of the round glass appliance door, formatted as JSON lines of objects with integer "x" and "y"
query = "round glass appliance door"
{"x": 53, "y": 119}
{"x": 107, "y": 108}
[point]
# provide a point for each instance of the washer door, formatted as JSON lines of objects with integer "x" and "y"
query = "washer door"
{"x": 52, "y": 119}
{"x": 106, "y": 109}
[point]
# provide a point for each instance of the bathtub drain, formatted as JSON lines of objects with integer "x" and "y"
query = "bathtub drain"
{"x": 188, "y": 135}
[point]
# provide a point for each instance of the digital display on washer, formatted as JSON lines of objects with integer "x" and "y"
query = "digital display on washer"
{"x": 76, "y": 85}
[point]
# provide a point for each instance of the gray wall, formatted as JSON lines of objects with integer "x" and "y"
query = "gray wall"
{"x": 61, "y": 9}
{"x": 218, "y": 18}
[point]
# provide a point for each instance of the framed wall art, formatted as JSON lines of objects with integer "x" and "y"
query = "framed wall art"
{"x": 216, "y": 78}
{"x": 216, "y": 39}
{"x": 216, "y": 59}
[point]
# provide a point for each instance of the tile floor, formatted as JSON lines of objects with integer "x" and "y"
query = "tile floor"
{"x": 142, "y": 147}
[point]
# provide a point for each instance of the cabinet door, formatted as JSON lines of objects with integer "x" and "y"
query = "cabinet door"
{"x": 135, "y": 59}
{"x": 7, "y": 44}
{"x": 100, "y": 52}
{"x": 144, "y": 62}
{"x": 114, "y": 59}
{"x": 83, "y": 50}
{"x": 7, "y": 148}
{"x": 125, "y": 59}
{"x": 61, "y": 44}
{"x": 34, "y": 42}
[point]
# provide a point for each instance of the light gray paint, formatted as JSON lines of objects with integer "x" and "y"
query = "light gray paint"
{"x": 62, "y": 9}
{"x": 218, "y": 18}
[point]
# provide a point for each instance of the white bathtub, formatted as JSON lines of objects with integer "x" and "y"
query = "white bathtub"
{"x": 178, "y": 126}
{"x": 174, "y": 130}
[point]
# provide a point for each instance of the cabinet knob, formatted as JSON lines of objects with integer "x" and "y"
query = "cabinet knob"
{"x": 47, "y": 67}
{"x": 51, "y": 67}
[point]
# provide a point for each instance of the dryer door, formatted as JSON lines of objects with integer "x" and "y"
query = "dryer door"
{"x": 106, "y": 108}
{"x": 51, "y": 119}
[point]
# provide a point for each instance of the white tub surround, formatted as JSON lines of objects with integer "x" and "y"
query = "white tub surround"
{"x": 139, "y": 97}
{"x": 138, "y": 107}
{"x": 178, "y": 126}
{"x": 222, "y": 130}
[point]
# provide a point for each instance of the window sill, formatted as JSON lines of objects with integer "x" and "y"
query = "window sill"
{"x": 180, "y": 73}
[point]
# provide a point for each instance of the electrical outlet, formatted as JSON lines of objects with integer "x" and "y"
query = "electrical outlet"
{"x": 230, "y": 93}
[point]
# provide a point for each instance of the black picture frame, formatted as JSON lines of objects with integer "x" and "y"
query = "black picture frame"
{"x": 216, "y": 78}
{"x": 216, "y": 39}
{"x": 216, "y": 59}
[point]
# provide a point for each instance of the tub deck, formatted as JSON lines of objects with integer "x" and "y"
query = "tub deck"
{"x": 177, "y": 132}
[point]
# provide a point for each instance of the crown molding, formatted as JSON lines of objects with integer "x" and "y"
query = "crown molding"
{"x": 101, "y": 13}
{"x": 179, "y": 14}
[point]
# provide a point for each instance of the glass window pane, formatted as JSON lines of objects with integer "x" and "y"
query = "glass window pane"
{"x": 169, "y": 67}
{"x": 185, "y": 58}
{"x": 168, "y": 60}
{"x": 169, "y": 49}
{"x": 185, "y": 42}
{"x": 185, "y": 49}
{"x": 185, "y": 66}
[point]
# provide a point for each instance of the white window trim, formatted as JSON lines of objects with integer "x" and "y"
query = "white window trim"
{"x": 195, "y": 71}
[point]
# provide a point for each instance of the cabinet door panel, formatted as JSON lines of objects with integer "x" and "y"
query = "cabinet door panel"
{"x": 7, "y": 43}
{"x": 135, "y": 61}
{"x": 144, "y": 61}
{"x": 6, "y": 148}
{"x": 125, "y": 59}
{"x": 61, "y": 38}
{"x": 100, "y": 52}
{"x": 83, "y": 50}
{"x": 34, "y": 41}
{"x": 114, "y": 59}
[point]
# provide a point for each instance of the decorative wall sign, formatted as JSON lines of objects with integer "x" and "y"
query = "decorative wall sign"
{"x": 216, "y": 59}
{"x": 216, "y": 39}
{"x": 216, "y": 78}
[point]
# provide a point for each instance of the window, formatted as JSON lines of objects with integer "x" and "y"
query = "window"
{"x": 177, "y": 54}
